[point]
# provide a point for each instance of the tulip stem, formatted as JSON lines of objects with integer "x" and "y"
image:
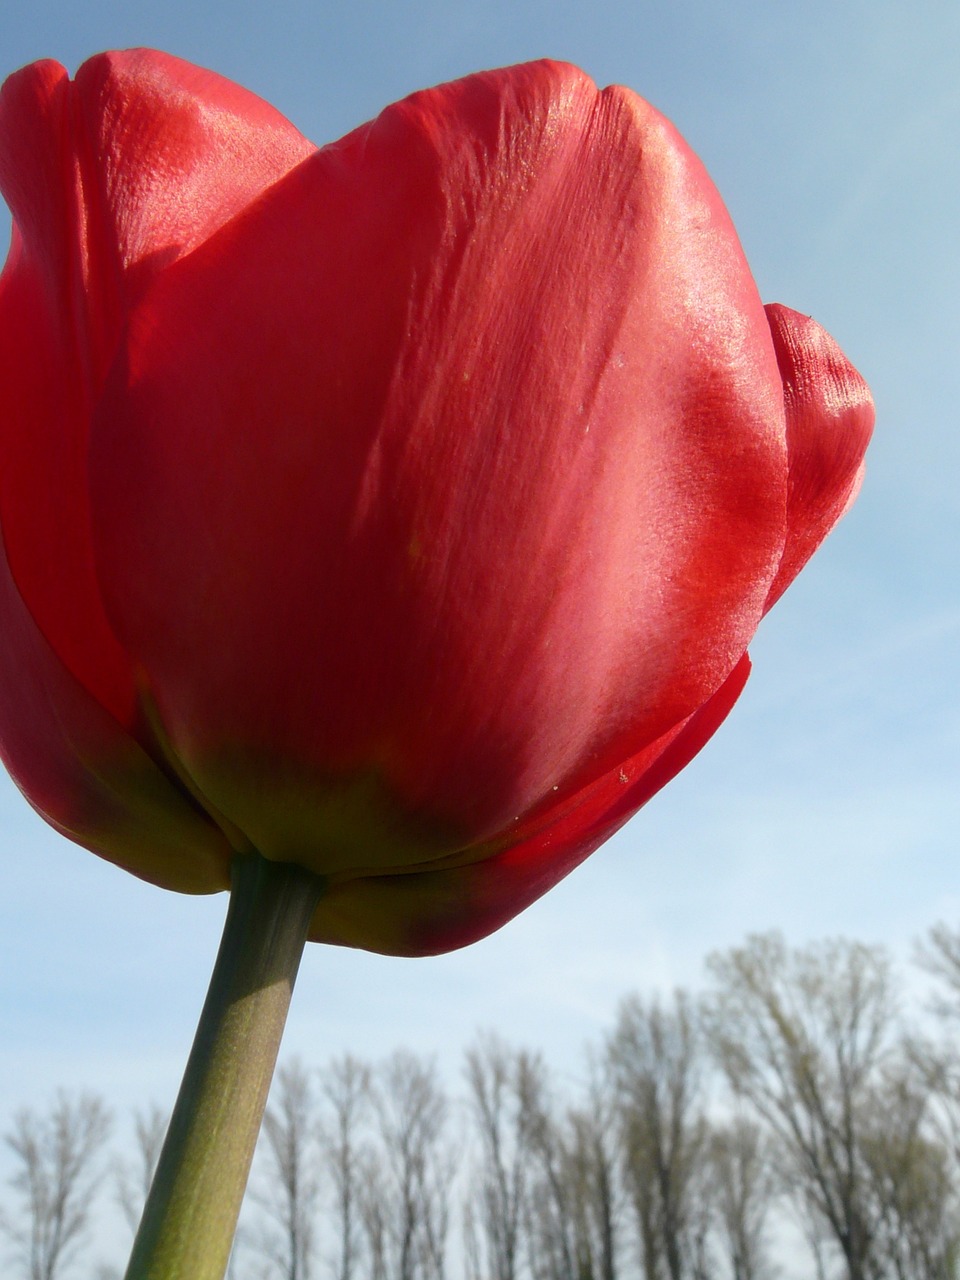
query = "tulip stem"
{"x": 190, "y": 1217}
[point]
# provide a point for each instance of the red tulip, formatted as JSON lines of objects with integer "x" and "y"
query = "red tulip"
{"x": 402, "y": 509}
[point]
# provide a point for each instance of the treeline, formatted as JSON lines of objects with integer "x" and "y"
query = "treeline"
{"x": 790, "y": 1121}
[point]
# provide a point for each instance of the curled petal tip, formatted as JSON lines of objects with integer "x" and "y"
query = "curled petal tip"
{"x": 829, "y": 421}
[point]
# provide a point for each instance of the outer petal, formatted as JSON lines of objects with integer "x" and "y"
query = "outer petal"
{"x": 435, "y": 911}
{"x": 43, "y": 492}
{"x": 471, "y": 485}
{"x": 88, "y": 777}
{"x": 829, "y": 423}
{"x": 109, "y": 180}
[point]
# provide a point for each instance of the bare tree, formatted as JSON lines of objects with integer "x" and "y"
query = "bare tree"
{"x": 288, "y": 1188}
{"x": 346, "y": 1089}
{"x": 503, "y": 1084}
{"x": 802, "y": 1036}
{"x": 134, "y": 1178}
{"x": 940, "y": 956}
{"x": 656, "y": 1059}
{"x": 375, "y": 1215}
{"x": 743, "y": 1192}
{"x": 56, "y": 1177}
{"x": 551, "y": 1217}
{"x": 595, "y": 1151}
{"x": 406, "y": 1208}
{"x": 574, "y": 1199}
{"x": 938, "y": 1062}
{"x": 911, "y": 1179}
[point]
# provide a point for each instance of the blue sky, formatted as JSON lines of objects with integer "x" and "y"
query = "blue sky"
{"x": 829, "y": 801}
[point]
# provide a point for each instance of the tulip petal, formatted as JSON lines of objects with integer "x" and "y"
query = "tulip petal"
{"x": 176, "y": 152}
{"x": 43, "y": 491}
{"x": 86, "y": 776}
{"x": 471, "y": 483}
{"x": 431, "y": 912}
{"x": 109, "y": 179}
{"x": 829, "y": 413}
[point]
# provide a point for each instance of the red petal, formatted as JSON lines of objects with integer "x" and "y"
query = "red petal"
{"x": 86, "y": 776}
{"x": 430, "y": 912}
{"x": 170, "y": 153}
{"x": 45, "y": 390}
{"x": 470, "y": 483}
{"x": 829, "y": 423}
{"x": 109, "y": 180}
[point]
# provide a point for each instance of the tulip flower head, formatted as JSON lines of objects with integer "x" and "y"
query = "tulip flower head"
{"x": 403, "y": 508}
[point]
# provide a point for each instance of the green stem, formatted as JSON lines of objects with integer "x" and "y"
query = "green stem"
{"x": 191, "y": 1213}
